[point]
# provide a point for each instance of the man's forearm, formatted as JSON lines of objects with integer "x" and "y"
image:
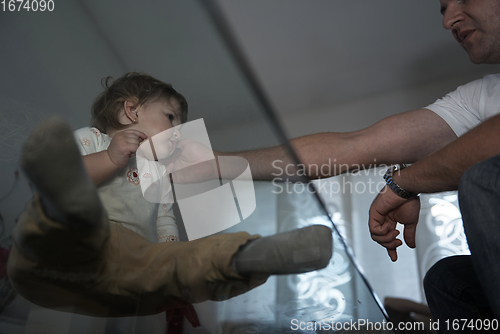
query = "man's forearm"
{"x": 442, "y": 170}
{"x": 313, "y": 151}
{"x": 405, "y": 137}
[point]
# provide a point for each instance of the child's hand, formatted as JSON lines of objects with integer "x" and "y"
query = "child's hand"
{"x": 123, "y": 145}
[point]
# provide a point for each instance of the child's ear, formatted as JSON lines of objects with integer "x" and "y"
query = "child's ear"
{"x": 130, "y": 110}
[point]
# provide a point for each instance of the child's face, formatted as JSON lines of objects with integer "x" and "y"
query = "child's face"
{"x": 158, "y": 121}
{"x": 157, "y": 117}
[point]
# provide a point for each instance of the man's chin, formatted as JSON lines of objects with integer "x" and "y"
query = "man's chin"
{"x": 478, "y": 57}
{"x": 474, "y": 57}
{"x": 475, "y": 61}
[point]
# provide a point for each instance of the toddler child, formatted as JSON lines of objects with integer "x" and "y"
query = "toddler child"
{"x": 135, "y": 107}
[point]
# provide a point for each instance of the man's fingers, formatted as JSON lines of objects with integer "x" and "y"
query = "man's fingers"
{"x": 381, "y": 226}
{"x": 391, "y": 244}
{"x": 393, "y": 254}
{"x": 386, "y": 238}
{"x": 377, "y": 229}
{"x": 409, "y": 235}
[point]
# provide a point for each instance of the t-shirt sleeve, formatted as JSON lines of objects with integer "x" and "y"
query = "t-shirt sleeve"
{"x": 91, "y": 140}
{"x": 461, "y": 108}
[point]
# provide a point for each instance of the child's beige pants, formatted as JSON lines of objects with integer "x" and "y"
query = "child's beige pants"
{"x": 112, "y": 271}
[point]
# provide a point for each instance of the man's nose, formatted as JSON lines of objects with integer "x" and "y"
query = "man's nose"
{"x": 453, "y": 15}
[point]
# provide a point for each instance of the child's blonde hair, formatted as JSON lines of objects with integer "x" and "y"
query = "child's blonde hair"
{"x": 138, "y": 87}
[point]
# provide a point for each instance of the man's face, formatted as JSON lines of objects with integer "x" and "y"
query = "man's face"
{"x": 475, "y": 24}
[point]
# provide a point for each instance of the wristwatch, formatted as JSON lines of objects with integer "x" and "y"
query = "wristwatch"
{"x": 393, "y": 185}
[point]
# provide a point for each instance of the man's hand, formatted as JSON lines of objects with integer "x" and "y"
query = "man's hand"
{"x": 123, "y": 145}
{"x": 386, "y": 211}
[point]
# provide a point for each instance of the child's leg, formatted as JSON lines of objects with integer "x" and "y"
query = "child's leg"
{"x": 154, "y": 277}
{"x": 159, "y": 276}
{"x": 66, "y": 223}
{"x": 54, "y": 165}
{"x": 64, "y": 228}
{"x": 133, "y": 277}
{"x": 293, "y": 252}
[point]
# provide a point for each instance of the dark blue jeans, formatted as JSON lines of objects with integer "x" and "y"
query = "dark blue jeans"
{"x": 468, "y": 287}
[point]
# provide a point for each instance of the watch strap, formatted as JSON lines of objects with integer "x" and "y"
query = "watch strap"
{"x": 388, "y": 177}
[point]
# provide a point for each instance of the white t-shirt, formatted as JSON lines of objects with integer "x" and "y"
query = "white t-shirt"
{"x": 470, "y": 104}
{"x": 122, "y": 196}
